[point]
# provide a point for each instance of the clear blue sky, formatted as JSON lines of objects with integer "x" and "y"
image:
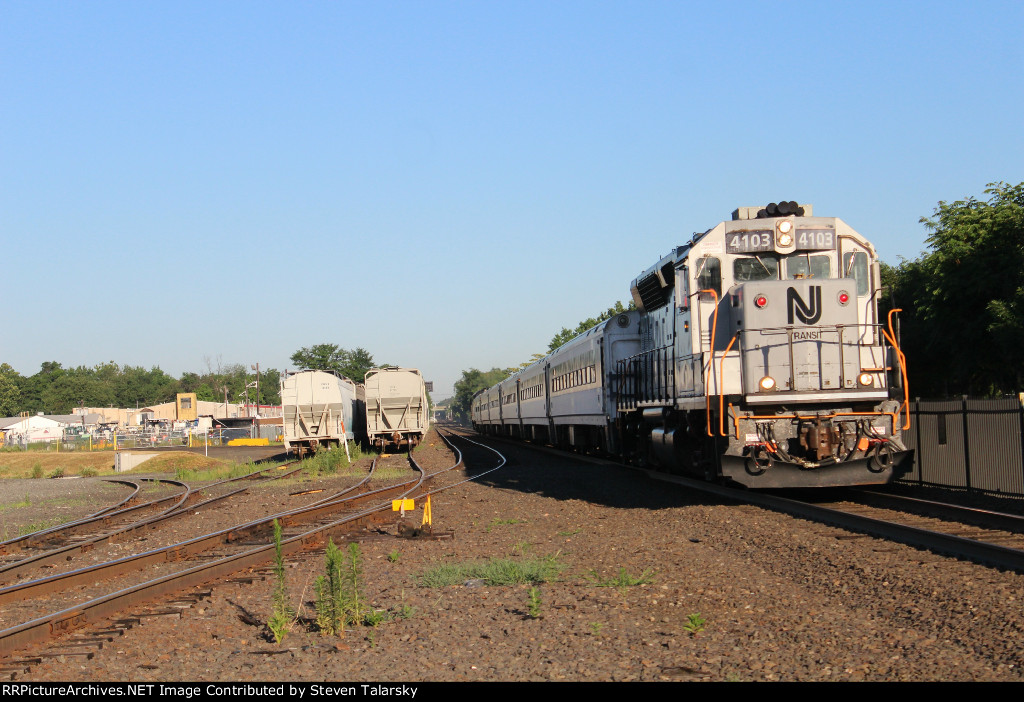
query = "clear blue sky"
{"x": 447, "y": 184}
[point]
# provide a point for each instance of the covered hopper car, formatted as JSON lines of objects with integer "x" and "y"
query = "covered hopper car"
{"x": 396, "y": 407}
{"x": 318, "y": 407}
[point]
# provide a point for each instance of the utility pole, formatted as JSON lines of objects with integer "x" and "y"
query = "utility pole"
{"x": 257, "y": 369}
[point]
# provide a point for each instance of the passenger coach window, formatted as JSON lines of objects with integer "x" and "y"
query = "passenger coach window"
{"x": 756, "y": 268}
{"x": 797, "y": 266}
{"x": 709, "y": 274}
{"x": 855, "y": 265}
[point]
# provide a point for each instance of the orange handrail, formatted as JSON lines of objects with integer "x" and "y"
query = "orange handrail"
{"x": 891, "y": 336}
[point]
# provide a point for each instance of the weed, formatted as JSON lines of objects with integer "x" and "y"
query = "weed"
{"x": 596, "y": 627}
{"x": 37, "y": 470}
{"x": 373, "y": 617}
{"x": 496, "y": 571}
{"x": 39, "y": 526}
{"x": 329, "y": 609}
{"x": 694, "y": 623}
{"x": 406, "y": 611}
{"x": 393, "y": 556}
{"x": 533, "y": 606}
{"x": 58, "y": 472}
{"x": 499, "y": 522}
{"x": 570, "y": 533}
{"x": 521, "y": 548}
{"x": 88, "y": 473}
{"x": 282, "y": 616}
{"x": 623, "y": 580}
{"x": 339, "y": 600}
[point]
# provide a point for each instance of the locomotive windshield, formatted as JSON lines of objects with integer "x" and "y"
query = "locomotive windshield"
{"x": 807, "y": 266}
{"x": 755, "y": 268}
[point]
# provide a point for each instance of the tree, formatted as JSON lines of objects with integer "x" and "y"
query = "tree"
{"x": 357, "y": 362}
{"x": 471, "y": 383}
{"x": 10, "y": 393}
{"x": 326, "y": 357}
{"x": 331, "y": 357}
{"x": 963, "y": 301}
{"x": 567, "y": 335}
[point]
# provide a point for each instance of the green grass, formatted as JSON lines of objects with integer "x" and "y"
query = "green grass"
{"x": 623, "y": 579}
{"x": 496, "y": 571}
{"x": 27, "y": 502}
{"x": 331, "y": 462}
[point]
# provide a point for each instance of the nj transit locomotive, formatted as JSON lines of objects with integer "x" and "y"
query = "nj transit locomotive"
{"x": 756, "y": 355}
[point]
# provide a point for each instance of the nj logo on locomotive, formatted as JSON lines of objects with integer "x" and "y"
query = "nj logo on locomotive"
{"x": 808, "y": 314}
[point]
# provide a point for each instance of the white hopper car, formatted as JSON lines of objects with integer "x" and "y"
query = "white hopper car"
{"x": 397, "y": 411}
{"x": 318, "y": 409}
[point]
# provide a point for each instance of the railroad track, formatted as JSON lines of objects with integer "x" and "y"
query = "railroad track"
{"x": 58, "y": 547}
{"x": 173, "y": 576}
{"x": 991, "y": 538}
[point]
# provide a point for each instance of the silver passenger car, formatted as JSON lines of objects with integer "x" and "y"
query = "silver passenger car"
{"x": 567, "y": 397}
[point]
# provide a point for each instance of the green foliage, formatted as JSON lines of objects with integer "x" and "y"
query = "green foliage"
{"x": 963, "y": 300}
{"x": 330, "y": 617}
{"x": 37, "y": 471}
{"x": 472, "y": 382}
{"x": 283, "y": 614}
{"x": 567, "y": 335}
{"x": 393, "y": 556}
{"x": 596, "y": 628}
{"x": 330, "y": 462}
{"x": 88, "y": 473}
{"x": 352, "y": 364}
{"x": 623, "y": 579}
{"x": 534, "y": 603}
{"x": 694, "y": 623}
{"x": 339, "y": 599}
{"x": 58, "y": 390}
{"x": 57, "y": 472}
{"x": 496, "y": 571}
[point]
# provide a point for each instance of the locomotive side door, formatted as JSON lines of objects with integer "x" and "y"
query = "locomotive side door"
{"x": 687, "y": 379}
{"x": 708, "y": 277}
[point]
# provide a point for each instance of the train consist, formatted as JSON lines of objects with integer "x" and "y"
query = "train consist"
{"x": 397, "y": 412}
{"x": 319, "y": 408}
{"x": 756, "y": 355}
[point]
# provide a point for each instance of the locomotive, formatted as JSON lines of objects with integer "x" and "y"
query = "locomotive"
{"x": 756, "y": 355}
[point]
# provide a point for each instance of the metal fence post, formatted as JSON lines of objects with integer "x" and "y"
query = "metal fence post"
{"x": 1020, "y": 418}
{"x": 917, "y": 427}
{"x": 967, "y": 445}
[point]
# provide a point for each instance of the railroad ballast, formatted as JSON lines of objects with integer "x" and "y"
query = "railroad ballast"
{"x": 756, "y": 355}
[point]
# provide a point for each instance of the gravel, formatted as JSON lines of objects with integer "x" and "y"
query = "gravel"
{"x": 729, "y": 592}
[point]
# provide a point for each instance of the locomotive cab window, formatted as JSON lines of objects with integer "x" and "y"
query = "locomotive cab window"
{"x": 855, "y": 265}
{"x": 755, "y": 268}
{"x": 709, "y": 276}
{"x": 807, "y": 266}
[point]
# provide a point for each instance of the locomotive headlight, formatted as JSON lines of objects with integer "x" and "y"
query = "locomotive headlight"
{"x": 767, "y": 383}
{"x": 866, "y": 379}
{"x": 784, "y": 235}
